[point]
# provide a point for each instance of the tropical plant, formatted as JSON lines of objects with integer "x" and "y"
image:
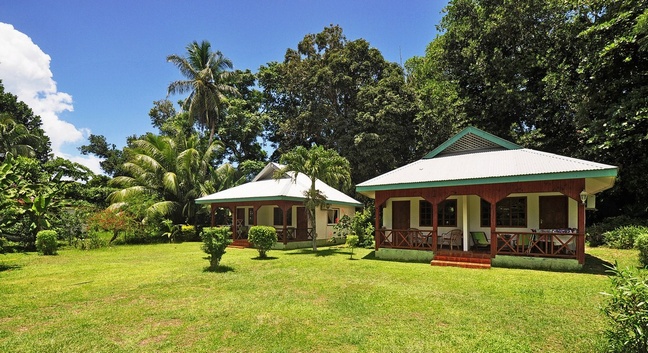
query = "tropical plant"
{"x": 263, "y": 238}
{"x": 215, "y": 241}
{"x": 15, "y": 138}
{"x": 317, "y": 163}
{"x": 206, "y": 82}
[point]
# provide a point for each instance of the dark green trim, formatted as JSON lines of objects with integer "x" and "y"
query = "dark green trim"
{"x": 475, "y": 131}
{"x": 493, "y": 180}
{"x": 271, "y": 198}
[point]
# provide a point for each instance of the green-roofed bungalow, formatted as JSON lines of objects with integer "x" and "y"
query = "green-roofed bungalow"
{"x": 526, "y": 202}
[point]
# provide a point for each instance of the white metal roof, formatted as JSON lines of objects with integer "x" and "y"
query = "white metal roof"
{"x": 264, "y": 187}
{"x": 463, "y": 161}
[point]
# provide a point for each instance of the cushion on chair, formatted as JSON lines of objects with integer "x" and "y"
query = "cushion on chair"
{"x": 479, "y": 239}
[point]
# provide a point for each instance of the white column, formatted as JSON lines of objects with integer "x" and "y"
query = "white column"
{"x": 464, "y": 203}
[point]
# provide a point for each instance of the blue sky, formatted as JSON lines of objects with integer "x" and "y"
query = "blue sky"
{"x": 107, "y": 59}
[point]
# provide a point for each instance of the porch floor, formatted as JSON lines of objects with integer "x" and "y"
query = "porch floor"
{"x": 465, "y": 259}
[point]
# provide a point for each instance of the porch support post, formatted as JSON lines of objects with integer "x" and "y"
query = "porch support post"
{"x": 255, "y": 209}
{"x": 377, "y": 226}
{"x": 464, "y": 201}
{"x": 493, "y": 220}
{"x": 284, "y": 215}
{"x": 213, "y": 215}
{"x": 435, "y": 225}
{"x": 234, "y": 220}
{"x": 580, "y": 239}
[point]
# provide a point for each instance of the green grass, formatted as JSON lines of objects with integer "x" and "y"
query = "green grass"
{"x": 160, "y": 298}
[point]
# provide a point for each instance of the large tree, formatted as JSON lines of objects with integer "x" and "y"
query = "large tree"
{"x": 613, "y": 113}
{"x": 207, "y": 82}
{"x": 316, "y": 163}
{"x": 508, "y": 61}
{"x": 341, "y": 95}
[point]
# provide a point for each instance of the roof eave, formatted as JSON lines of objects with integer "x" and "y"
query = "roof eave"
{"x": 366, "y": 189}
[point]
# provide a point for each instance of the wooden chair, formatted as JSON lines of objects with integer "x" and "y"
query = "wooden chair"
{"x": 452, "y": 238}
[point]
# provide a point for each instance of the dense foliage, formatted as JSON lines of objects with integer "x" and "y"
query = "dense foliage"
{"x": 641, "y": 244}
{"x": 360, "y": 225}
{"x": 627, "y": 311}
{"x": 624, "y": 237}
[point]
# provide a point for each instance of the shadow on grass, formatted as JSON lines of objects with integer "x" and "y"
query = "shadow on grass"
{"x": 267, "y": 258}
{"x": 5, "y": 267}
{"x": 320, "y": 252}
{"x": 596, "y": 266}
{"x": 219, "y": 269}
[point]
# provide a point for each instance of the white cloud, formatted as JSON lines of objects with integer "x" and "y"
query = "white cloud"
{"x": 25, "y": 72}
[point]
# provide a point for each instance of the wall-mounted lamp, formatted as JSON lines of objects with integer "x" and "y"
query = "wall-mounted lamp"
{"x": 583, "y": 197}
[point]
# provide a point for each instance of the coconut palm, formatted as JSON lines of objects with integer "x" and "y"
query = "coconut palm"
{"x": 316, "y": 163}
{"x": 206, "y": 82}
{"x": 169, "y": 170}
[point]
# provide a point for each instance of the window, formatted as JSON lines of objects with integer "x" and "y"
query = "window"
{"x": 510, "y": 212}
{"x": 333, "y": 215}
{"x": 278, "y": 216}
{"x": 425, "y": 214}
{"x": 448, "y": 213}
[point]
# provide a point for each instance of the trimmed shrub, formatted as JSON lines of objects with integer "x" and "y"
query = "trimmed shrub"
{"x": 188, "y": 233}
{"x": 352, "y": 242}
{"x": 641, "y": 244}
{"x": 624, "y": 237}
{"x": 594, "y": 233}
{"x": 46, "y": 242}
{"x": 263, "y": 238}
{"x": 215, "y": 241}
{"x": 627, "y": 311}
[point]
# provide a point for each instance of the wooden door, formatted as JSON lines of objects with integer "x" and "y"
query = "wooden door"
{"x": 400, "y": 214}
{"x": 302, "y": 223}
{"x": 554, "y": 212}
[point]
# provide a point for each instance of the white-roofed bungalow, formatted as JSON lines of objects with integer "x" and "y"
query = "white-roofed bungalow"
{"x": 480, "y": 193}
{"x": 280, "y": 203}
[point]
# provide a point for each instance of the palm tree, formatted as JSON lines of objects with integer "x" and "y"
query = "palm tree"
{"x": 316, "y": 163}
{"x": 206, "y": 82}
{"x": 170, "y": 171}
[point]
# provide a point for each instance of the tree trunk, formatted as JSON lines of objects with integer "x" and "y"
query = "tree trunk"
{"x": 313, "y": 222}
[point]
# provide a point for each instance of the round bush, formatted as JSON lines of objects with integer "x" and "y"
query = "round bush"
{"x": 46, "y": 242}
{"x": 263, "y": 238}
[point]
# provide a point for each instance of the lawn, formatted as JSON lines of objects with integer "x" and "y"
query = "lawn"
{"x": 160, "y": 298}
